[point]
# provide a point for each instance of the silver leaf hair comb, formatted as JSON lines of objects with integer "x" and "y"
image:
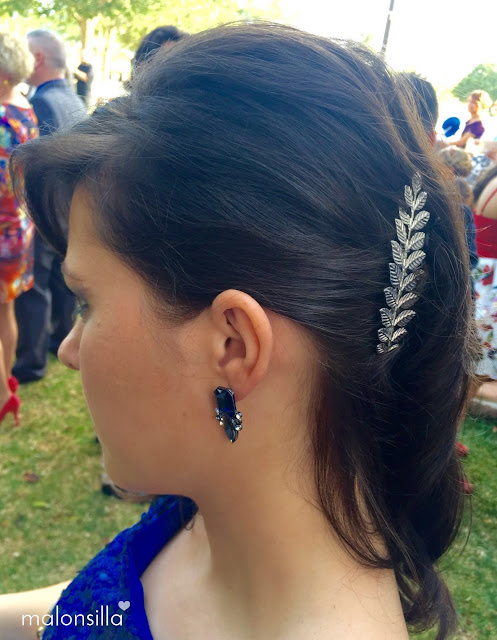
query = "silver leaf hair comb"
{"x": 405, "y": 268}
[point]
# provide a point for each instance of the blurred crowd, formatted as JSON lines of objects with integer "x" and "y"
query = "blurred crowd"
{"x": 37, "y": 310}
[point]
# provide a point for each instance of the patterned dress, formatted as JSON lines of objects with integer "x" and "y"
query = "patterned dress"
{"x": 486, "y": 289}
{"x": 486, "y": 316}
{"x": 16, "y": 230}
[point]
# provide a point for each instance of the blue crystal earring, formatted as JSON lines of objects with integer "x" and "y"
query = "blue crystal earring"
{"x": 229, "y": 418}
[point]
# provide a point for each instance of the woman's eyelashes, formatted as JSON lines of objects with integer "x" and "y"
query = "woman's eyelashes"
{"x": 80, "y": 310}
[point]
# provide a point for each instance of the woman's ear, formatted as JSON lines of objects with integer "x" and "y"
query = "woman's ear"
{"x": 243, "y": 341}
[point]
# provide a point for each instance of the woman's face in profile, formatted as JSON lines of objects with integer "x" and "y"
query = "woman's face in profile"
{"x": 136, "y": 373}
{"x": 473, "y": 107}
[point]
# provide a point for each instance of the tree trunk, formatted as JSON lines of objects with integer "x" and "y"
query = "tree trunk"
{"x": 107, "y": 35}
{"x": 87, "y": 29}
{"x": 83, "y": 25}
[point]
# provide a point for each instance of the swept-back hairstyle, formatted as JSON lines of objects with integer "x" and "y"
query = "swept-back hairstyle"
{"x": 260, "y": 158}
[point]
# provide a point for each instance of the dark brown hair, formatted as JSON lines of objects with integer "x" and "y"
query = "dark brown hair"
{"x": 264, "y": 159}
{"x": 425, "y": 97}
{"x": 154, "y": 40}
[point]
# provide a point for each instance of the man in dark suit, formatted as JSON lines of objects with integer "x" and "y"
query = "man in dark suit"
{"x": 44, "y": 313}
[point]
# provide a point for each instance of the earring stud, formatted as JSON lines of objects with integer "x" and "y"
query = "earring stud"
{"x": 226, "y": 413}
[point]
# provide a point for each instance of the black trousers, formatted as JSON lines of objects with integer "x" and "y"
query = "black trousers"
{"x": 44, "y": 314}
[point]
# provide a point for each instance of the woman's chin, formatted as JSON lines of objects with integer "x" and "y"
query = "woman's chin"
{"x": 127, "y": 491}
{"x": 117, "y": 480}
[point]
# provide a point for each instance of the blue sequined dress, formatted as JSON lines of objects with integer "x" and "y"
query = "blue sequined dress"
{"x": 105, "y": 600}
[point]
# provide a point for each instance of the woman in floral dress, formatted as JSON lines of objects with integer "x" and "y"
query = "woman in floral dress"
{"x": 17, "y": 125}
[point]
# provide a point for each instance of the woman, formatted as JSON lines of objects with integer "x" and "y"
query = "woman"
{"x": 17, "y": 125}
{"x": 230, "y": 240}
{"x": 478, "y": 101}
{"x": 485, "y": 216}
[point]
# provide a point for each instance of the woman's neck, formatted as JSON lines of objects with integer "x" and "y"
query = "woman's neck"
{"x": 263, "y": 562}
{"x": 276, "y": 563}
{"x": 13, "y": 96}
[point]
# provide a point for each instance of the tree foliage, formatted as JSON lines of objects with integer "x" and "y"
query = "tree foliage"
{"x": 134, "y": 18}
{"x": 483, "y": 77}
{"x": 63, "y": 10}
{"x": 193, "y": 16}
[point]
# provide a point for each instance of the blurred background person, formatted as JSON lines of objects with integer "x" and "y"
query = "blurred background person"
{"x": 161, "y": 37}
{"x": 44, "y": 313}
{"x": 458, "y": 161}
{"x": 55, "y": 103}
{"x": 478, "y": 102}
{"x": 17, "y": 125}
{"x": 483, "y": 161}
{"x": 485, "y": 214}
{"x": 84, "y": 79}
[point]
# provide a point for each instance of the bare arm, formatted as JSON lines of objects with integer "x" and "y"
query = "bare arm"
{"x": 81, "y": 75}
{"x": 463, "y": 140}
{"x": 33, "y": 605}
{"x": 441, "y": 144}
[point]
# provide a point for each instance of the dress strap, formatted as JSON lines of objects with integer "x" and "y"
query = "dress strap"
{"x": 487, "y": 201}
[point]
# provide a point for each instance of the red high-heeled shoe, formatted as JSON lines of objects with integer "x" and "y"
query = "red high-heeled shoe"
{"x": 13, "y": 383}
{"x": 11, "y": 406}
{"x": 467, "y": 487}
{"x": 462, "y": 450}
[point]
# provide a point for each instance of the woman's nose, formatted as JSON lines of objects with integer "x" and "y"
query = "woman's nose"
{"x": 68, "y": 351}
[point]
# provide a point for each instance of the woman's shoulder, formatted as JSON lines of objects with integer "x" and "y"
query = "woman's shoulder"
{"x": 476, "y": 128}
{"x": 106, "y": 599}
{"x": 486, "y": 206}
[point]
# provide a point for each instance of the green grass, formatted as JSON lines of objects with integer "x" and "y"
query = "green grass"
{"x": 471, "y": 571}
{"x": 49, "y": 529}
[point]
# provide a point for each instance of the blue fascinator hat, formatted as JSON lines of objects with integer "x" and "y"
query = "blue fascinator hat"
{"x": 451, "y": 126}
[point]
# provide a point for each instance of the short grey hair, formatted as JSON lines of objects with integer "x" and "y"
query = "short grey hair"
{"x": 15, "y": 59}
{"x": 51, "y": 45}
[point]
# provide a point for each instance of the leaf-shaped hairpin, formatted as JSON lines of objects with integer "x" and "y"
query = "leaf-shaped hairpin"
{"x": 408, "y": 257}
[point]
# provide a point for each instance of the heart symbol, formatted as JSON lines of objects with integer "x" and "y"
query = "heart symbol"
{"x": 123, "y": 605}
